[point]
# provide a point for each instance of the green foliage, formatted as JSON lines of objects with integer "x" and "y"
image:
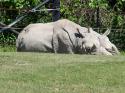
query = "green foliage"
{"x": 7, "y": 39}
{"x": 83, "y": 12}
{"x": 120, "y": 5}
{"x": 78, "y": 11}
{"x": 98, "y": 3}
{"x": 75, "y": 10}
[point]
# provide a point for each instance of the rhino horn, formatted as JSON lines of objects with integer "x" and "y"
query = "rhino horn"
{"x": 115, "y": 49}
{"x": 107, "y": 32}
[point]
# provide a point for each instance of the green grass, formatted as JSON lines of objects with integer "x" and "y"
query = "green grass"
{"x": 61, "y": 73}
{"x": 7, "y": 48}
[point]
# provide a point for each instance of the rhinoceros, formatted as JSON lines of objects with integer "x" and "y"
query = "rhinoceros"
{"x": 62, "y": 36}
{"x": 58, "y": 37}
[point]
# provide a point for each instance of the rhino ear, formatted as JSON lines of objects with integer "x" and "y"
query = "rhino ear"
{"x": 90, "y": 29}
{"x": 79, "y": 34}
{"x": 107, "y": 32}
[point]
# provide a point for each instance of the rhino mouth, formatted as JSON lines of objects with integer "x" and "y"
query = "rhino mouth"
{"x": 111, "y": 51}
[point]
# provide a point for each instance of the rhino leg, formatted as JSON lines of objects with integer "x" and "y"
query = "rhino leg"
{"x": 55, "y": 44}
{"x": 61, "y": 42}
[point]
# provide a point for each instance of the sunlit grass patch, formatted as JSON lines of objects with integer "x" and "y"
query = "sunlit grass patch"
{"x": 61, "y": 73}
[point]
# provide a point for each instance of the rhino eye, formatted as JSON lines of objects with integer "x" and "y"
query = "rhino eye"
{"x": 79, "y": 35}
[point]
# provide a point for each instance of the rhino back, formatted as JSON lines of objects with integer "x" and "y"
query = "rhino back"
{"x": 36, "y": 37}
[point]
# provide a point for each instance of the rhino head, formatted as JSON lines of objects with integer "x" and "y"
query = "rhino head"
{"x": 94, "y": 43}
{"x": 87, "y": 42}
{"x": 106, "y": 44}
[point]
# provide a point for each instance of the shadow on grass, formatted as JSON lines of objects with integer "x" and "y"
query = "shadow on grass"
{"x": 12, "y": 48}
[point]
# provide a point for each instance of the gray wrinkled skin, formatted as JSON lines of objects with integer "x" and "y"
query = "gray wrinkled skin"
{"x": 63, "y": 36}
{"x": 57, "y": 37}
{"x": 105, "y": 42}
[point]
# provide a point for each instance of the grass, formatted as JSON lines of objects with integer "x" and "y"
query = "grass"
{"x": 7, "y": 48}
{"x": 61, "y": 73}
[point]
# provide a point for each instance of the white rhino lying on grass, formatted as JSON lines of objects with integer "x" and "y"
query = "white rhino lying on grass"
{"x": 95, "y": 43}
{"x": 63, "y": 36}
